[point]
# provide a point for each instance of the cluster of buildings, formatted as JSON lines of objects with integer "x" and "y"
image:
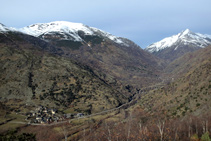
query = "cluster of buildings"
{"x": 43, "y": 115}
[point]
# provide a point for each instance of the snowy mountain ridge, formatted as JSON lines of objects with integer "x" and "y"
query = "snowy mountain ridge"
{"x": 69, "y": 31}
{"x": 63, "y": 30}
{"x": 3, "y": 28}
{"x": 62, "y": 27}
{"x": 183, "y": 38}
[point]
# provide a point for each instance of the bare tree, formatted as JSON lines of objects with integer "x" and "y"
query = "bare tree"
{"x": 129, "y": 126}
{"x": 161, "y": 126}
{"x": 64, "y": 131}
{"x": 175, "y": 136}
{"x": 140, "y": 126}
{"x": 175, "y": 128}
{"x": 189, "y": 127}
{"x": 196, "y": 124}
{"x": 84, "y": 134}
{"x": 109, "y": 132}
{"x": 205, "y": 125}
{"x": 142, "y": 129}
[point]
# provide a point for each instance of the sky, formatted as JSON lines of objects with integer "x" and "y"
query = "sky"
{"x": 142, "y": 21}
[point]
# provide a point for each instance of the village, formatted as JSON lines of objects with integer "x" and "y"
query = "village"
{"x": 45, "y": 115}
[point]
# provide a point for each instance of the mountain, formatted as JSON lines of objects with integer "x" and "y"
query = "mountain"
{"x": 62, "y": 30}
{"x": 31, "y": 73}
{"x": 189, "y": 91}
{"x": 187, "y": 62}
{"x": 72, "y": 67}
{"x": 117, "y": 59}
{"x": 175, "y": 46}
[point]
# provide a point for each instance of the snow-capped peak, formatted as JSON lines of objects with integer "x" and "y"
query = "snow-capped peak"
{"x": 185, "y": 37}
{"x": 186, "y": 31}
{"x": 68, "y": 30}
{"x": 63, "y": 30}
{"x": 64, "y": 27}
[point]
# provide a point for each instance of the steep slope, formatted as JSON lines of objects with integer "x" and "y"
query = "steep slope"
{"x": 71, "y": 66}
{"x": 117, "y": 60}
{"x": 187, "y": 62}
{"x": 190, "y": 93}
{"x": 174, "y": 47}
{"x": 31, "y": 73}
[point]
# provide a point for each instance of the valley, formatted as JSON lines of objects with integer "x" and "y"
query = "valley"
{"x": 102, "y": 87}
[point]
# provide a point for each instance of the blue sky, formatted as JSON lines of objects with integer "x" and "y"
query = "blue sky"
{"x": 142, "y": 21}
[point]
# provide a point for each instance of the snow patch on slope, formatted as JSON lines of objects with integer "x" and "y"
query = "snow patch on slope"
{"x": 110, "y": 36}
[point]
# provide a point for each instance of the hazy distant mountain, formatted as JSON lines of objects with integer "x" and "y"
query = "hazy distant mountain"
{"x": 175, "y": 46}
